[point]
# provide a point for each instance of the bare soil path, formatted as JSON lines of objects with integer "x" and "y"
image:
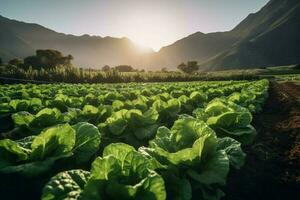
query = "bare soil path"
{"x": 272, "y": 168}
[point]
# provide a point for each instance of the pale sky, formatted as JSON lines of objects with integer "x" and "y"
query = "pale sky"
{"x": 151, "y": 23}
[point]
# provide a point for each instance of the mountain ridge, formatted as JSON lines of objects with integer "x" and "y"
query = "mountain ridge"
{"x": 264, "y": 38}
{"x": 268, "y": 43}
{"x": 91, "y": 51}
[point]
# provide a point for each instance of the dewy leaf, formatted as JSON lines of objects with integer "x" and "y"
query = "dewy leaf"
{"x": 233, "y": 150}
{"x": 87, "y": 141}
{"x": 54, "y": 141}
{"x": 11, "y": 152}
{"x": 66, "y": 185}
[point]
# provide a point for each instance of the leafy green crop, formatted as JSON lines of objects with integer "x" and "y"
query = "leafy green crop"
{"x": 121, "y": 173}
{"x": 195, "y": 156}
{"x": 131, "y": 126}
{"x": 66, "y": 185}
{"x": 125, "y": 141}
{"x": 35, "y": 155}
{"x": 228, "y": 119}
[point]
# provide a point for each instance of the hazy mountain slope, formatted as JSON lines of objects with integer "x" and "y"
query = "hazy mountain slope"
{"x": 270, "y": 37}
{"x": 19, "y": 39}
{"x": 198, "y": 46}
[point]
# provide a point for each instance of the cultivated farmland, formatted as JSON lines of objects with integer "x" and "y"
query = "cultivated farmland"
{"x": 133, "y": 141}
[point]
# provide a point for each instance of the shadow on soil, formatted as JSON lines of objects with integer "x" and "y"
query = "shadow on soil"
{"x": 272, "y": 168}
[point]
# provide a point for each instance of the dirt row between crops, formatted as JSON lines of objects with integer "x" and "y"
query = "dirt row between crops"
{"x": 272, "y": 168}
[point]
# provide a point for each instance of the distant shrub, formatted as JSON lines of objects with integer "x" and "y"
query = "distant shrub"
{"x": 124, "y": 68}
{"x": 190, "y": 67}
{"x": 106, "y": 68}
{"x": 15, "y": 62}
{"x": 47, "y": 59}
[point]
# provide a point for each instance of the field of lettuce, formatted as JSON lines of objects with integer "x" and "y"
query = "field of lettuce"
{"x": 125, "y": 141}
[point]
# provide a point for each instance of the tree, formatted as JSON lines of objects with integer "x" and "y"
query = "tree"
{"x": 164, "y": 69}
{"x": 48, "y": 59}
{"x": 124, "y": 68}
{"x": 15, "y": 62}
{"x": 182, "y": 67}
{"x": 32, "y": 61}
{"x": 1, "y": 61}
{"x": 106, "y": 68}
{"x": 190, "y": 67}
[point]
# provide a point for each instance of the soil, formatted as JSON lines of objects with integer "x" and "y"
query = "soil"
{"x": 272, "y": 167}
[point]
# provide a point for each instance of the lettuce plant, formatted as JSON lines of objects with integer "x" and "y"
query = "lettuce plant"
{"x": 121, "y": 173}
{"x": 195, "y": 157}
{"x": 35, "y": 155}
{"x": 228, "y": 119}
{"x": 35, "y": 123}
{"x": 168, "y": 110}
{"x": 131, "y": 126}
{"x": 93, "y": 114}
{"x": 251, "y": 97}
{"x": 66, "y": 185}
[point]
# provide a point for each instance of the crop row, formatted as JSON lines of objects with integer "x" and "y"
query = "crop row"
{"x": 125, "y": 141}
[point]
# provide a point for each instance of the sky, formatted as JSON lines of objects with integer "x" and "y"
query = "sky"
{"x": 150, "y": 23}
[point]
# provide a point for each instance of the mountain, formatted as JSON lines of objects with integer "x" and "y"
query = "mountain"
{"x": 19, "y": 39}
{"x": 270, "y": 37}
{"x": 198, "y": 46}
{"x": 266, "y": 38}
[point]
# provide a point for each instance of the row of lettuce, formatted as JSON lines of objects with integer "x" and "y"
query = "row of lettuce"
{"x": 175, "y": 143}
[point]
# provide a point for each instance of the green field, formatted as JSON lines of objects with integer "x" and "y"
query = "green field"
{"x": 125, "y": 141}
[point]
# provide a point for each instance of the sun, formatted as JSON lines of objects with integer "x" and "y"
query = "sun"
{"x": 149, "y": 30}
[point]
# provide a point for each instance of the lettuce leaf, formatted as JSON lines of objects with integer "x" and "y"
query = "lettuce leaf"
{"x": 123, "y": 173}
{"x": 66, "y": 185}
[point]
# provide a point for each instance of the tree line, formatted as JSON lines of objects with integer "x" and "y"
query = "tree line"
{"x": 49, "y": 59}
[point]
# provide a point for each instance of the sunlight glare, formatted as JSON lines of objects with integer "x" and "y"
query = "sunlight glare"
{"x": 152, "y": 31}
